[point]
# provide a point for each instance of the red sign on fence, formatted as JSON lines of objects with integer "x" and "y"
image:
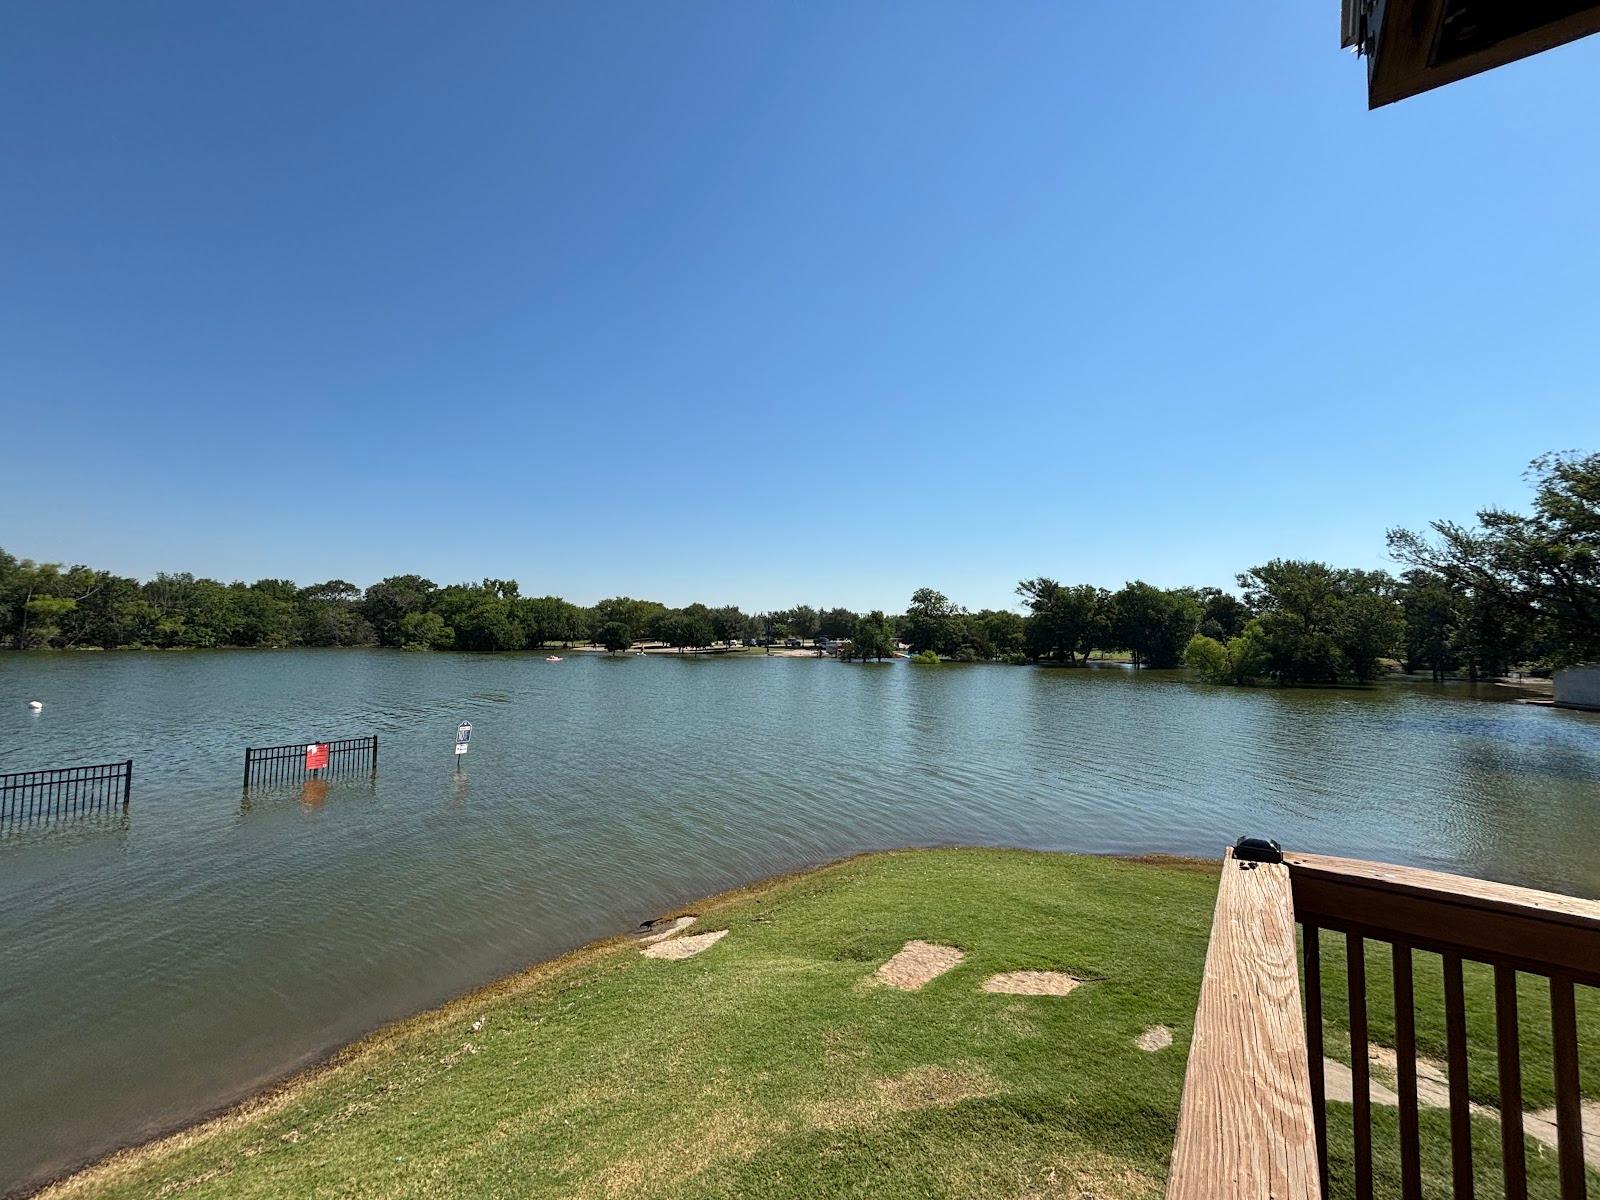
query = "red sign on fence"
{"x": 316, "y": 756}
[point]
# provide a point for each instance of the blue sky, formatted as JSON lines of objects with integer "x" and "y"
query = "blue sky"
{"x": 765, "y": 303}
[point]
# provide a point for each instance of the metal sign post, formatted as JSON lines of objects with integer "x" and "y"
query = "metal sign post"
{"x": 463, "y": 741}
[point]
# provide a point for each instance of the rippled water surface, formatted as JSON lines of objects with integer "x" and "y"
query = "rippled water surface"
{"x": 158, "y": 964}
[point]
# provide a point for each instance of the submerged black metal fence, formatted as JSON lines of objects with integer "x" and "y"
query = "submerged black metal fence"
{"x": 276, "y": 766}
{"x": 65, "y": 791}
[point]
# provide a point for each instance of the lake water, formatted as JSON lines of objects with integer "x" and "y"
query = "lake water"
{"x": 156, "y": 965}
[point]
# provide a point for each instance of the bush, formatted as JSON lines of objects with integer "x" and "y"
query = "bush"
{"x": 965, "y": 654}
{"x": 1016, "y": 660}
{"x": 926, "y": 658}
{"x": 1240, "y": 661}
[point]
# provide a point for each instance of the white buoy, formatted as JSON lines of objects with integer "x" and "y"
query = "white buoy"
{"x": 36, "y": 705}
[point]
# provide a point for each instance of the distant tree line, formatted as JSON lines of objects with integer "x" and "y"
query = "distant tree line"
{"x": 1518, "y": 590}
{"x": 1515, "y": 590}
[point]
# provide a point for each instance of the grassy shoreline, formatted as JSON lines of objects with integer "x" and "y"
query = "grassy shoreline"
{"x": 156, "y": 1167}
{"x": 773, "y": 1064}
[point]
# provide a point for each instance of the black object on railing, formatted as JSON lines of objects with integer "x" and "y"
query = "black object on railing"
{"x": 65, "y": 791}
{"x": 1257, "y": 849}
{"x": 277, "y": 766}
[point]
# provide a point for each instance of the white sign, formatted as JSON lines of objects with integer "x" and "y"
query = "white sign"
{"x": 463, "y": 736}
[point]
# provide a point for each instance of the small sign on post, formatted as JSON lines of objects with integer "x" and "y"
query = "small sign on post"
{"x": 316, "y": 756}
{"x": 463, "y": 740}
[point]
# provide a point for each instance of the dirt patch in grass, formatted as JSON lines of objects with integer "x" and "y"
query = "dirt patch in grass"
{"x": 679, "y": 948}
{"x": 678, "y": 1155}
{"x": 1033, "y": 983}
{"x": 1157, "y": 1037}
{"x": 916, "y": 964}
{"x": 918, "y": 1088}
{"x": 1090, "y": 1175}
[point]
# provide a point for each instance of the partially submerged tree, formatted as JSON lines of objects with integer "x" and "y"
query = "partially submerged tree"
{"x": 1320, "y": 624}
{"x": 871, "y": 639}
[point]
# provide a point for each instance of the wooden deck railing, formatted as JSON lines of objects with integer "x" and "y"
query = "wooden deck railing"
{"x": 1254, "y": 1116}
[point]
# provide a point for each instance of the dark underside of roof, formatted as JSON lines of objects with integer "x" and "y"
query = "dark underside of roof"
{"x": 1414, "y": 45}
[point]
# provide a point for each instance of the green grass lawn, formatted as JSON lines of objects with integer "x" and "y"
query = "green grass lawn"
{"x": 769, "y": 1065}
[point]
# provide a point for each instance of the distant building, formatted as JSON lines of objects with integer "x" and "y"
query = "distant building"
{"x": 1578, "y": 687}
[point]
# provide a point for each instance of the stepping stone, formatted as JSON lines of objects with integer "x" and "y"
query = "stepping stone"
{"x": 1032, "y": 983}
{"x": 918, "y": 963}
{"x": 684, "y": 947}
{"x": 1157, "y": 1037}
{"x": 1433, "y": 1091}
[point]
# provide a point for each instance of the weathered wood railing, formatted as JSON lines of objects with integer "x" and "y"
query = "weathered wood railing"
{"x": 1254, "y": 1115}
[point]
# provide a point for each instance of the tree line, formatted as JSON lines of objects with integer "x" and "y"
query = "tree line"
{"x": 1513, "y": 590}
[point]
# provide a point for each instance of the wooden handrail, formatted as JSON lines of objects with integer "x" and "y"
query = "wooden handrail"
{"x": 1495, "y": 922}
{"x": 1245, "y": 1129}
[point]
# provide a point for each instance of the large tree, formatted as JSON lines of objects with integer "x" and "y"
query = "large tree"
{"x": 1319, "y": 624}
{"x": 1065, "y": 621}
{"x": 1154, "y": 624}
{"x": 932, "y": 622}
{"x": 1532, "y": 578}
{"x": 871, "y": 638}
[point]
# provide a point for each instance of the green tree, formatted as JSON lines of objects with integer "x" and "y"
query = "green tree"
{"x": 425, "y": 631}
{"x": 483, "y": 616}
{"x": 998, "y": 633}
{"x": 686, "y": 628}
{"x": 1533, "y": 577}
{"x": 636, "y": 616}
{"x": 932, "y": 622}
{"x": 729, "y": 624}
{"x": 801, "y": 621}
{"x": 388, "y": 602}
{"x": 1433, "y": 614}
{"x": 1065, "y": 621}
{"x": 1321, "y": 625}
{"x": 614, "y": 636}
{"x": 1222, "y": 614}
{"x": 837, "y": 623}
{"x": 871, "y": 638}
{"x": 1240, "y": 660}
{"x": 1154, "y": 624}
{"x": 329, "y": 615}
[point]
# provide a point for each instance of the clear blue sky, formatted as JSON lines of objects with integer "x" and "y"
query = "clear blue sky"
{"x": 767, "y": 303}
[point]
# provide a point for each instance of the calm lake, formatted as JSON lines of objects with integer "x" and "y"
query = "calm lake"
{"x": 157, "y": 964}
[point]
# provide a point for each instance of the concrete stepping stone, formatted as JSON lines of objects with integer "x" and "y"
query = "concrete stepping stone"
{"x": 1032, "y": 983}
{"x": 916, "y": 964}
{"x": 1433, "y": 1091}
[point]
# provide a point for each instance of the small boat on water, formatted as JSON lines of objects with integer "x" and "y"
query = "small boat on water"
{"x": 553, "y": 658}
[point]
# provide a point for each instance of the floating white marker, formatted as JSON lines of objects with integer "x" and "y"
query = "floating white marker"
{"x": 36, "y": 705}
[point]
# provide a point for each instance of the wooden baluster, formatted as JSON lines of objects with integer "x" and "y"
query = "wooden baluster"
{"x": 1455, "y": 1029}
{"x": 1405, "y": 1047}
{"x": 1569, "y": 1113}
{"x": 1314, "y": 1050}
{"x": 1355, "y": 949}
{"x": 1509, "y": 1054}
